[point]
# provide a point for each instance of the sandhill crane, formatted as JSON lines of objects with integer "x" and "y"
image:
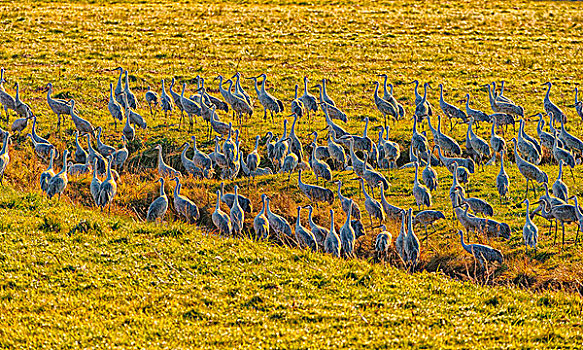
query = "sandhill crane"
{"x": 347, "y": 236}
{"x": 152, "y": 98}
{"x": 401, "y": 237}
{"x": 20, "y": 124}
{"x": 325, "y": 96}
{"x": 260, "y": 222}
{"x": 21, "y": 108}
{"x": 502, "y": 181}
{"x": 550, "y": 107}
{"x": 391, "y": 211}
{"x": 95, "y": 185}
{"x": 108, "y": 189}
{"x": 101, "y": 163}
{"x": 78, "y": 169}
{"x": 373, "y": 179}
{"x": 290, "y": 162}
{"x": 420, "y": 192}
{"x": 322, "y": 153}
{"x": 561, "y": 154}
{"x": 315, "y": 193}
{"x": 391, "y": 149}
{"x": 532, "y": 140}
{"x": 418, "y": 140}
{"x": 297, "y": 106}
{"x": 335, "y": 151}
{"x": 528, "y": 170}
{"x": 229, "y": 147}
{"x": 448, "y": 162}
{"x": 331, "y": 110}
{"x": 479, "y": 116}
{"x": 320, "y": 168}
{"x": 382, "y": 243}
{"x": 240, "y": 105}
{"x": 128, "y": 130}
{"x": 267, "y": 100}
{"x": 115, "y": 109}
{"x": 119, "y": 87}
{"x": 57, "y": 183}
{"x": 294, "y": 143}
{"x": 131, "y": 98}
{"x": 546, "y": 139}
{"x": 411, "y": 247}
{"x": 332, "y": 244}
{"x": 82, "y": 125}
{"x": 43, "y": 150}
{"x": 158, "y": 208}
{"x": 309, "y": 100}
{"x": 448, "y": 144}
{"x": 253, "y": 158}
{"x": 121, "y": 155}
{"x": 184, "y": 206}
{"x": 58, "y": 106}
{"x": 221, "y": 219}
{"x": 6, "y": 100}
{"x": 239, "y": 89}
{"x": 478, "y": 206}
{"x": 384, "y": 106}
{"x": 497, "y": 143}
{"x": 305, "y": 237}
{"x": 236, "y": 215}
{"x": 211, "y": 100}
{"x": 166, "y": 102}
{"x": 176, "y": 97}
{"x": 229, "y": 199}
{"x": 4, "y": 156}
{"x": 482, "y": 253}
{"x": 47, "y": 174}
{"x": 468, "y": 221}
{"x": 218, "y": 126}
{"x": 500, "y": 97}
{"x": 479, "y": 145}
{"x": 504, "y": 107}
{"x": 578, "y": 104}
{"x": 189, "y": 106}
{"x": 427, "y": 218}
{"x": 163, "y": 169}
{"x": 453, "y": 196}
{"x": 188, "y": 164}
{"x": 372, "y": 206}
{"x": 102, "y": 148}
{"x": 565, "y": 213}
{"x": 422, "y": 107}
{"x": 571, "y": 142}
{"x": 388, "y": 96}
{"x": 560, "y": 189}
{"x": 347, "y": 204}
{"x": 529, "y": 231}
{"x": 450, "y": 110}
{"x": 277, "y": 223}
{"x": 319, "y": 232}
{"x": 429, "y": 175}
{"x": 199, "y": 158}
{"x": 527, "y": 149}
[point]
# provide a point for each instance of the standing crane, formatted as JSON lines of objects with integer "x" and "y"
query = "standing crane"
{"x": 166, "y": 102}
{"x": 221, "y": 219}
{"x": 347, "y": 236}
{"x": 450, "y": 110}
{"x": 479, "y": 116}
{"x": 151, "y": 98}
{"x": 420, "y": 192}
{"x": 260, "y": 222}
{"x": 527, "y": 149}
{"x": 546, "y": 139}
{"x": 372, "y": 206}
{"x": 309, "y": 100}
{"x": 177, "y": 100}
{"x": 6, "y": 100}
{"x": 550, "y": 107}
{"x": 502, "y": 181}
{"x": 427, "y": 218}
{"x": 131, "y": 98}
{"x": 113, "y": 106}
{"x": 384, "y": 106}
{"x": 21, "y": 108}
{"x": 479, "y": 146}
{"x": 528, "y": 170}
{"x": 320, "y": 168}
{"x": 82, "y": 125}
{"x": 446, "y": 143}
{"x": 297, "y": 106}
{"x": 429, "y": 175}
{"x": 94, "y": 186}
{"x": 278, "y": 223}
{"x": 391, "y": 211}
{"x": 163, "y": 169}
{"x": 229, "y": 199}
{"x": 571, "y": 142}
{"x": 347, "y": 204}
{"x": 562, "y": 155}
{"x": 412, "y": 247}
{"x": 422, "y": 107}
{"x": 401, "y": 238}
{"x": 4, "y": 156}
{"x": 158, "y": 208}
{"x": 305, "y": 237}
{"x": 119, "y": 88}
{"x": 578, "y": 104}
{"x": 497, "y": 143}
{"x": 236, "y": 215}
{"x": 529, "y": 231}
{"x": 121, "y": 155}
{"x": 382, "y": 243}
{"x": 184, "y": 206}
{"x": 267, "y": 100}
{"x": 479, "y": 206}
{"x": 108, "y": 188}
{"x": 332, "y": 244}
{"x": 560, "y": 189}
{"x": 57, "y": 183}
{"x": 189, "y": 106}
{"x": 102, "y": 148}
{"x": 319, "y": 232}
{"x": 315, "y": 193}
{"x": 482, "y": 253}
{"x": 58, "y": 106}
{"x": 47, "y": 174}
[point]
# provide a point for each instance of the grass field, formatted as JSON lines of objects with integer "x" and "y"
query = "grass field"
{"x": 115, "y": 280}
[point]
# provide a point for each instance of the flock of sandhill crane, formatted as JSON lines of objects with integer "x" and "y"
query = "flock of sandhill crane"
{"x": 344, "y": 151}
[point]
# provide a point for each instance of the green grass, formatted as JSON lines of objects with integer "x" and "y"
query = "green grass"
{"x": 90, "y": 278}
{"x": 76, "y": 279}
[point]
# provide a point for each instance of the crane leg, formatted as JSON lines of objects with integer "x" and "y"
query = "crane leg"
{"x": 572, "y": 176}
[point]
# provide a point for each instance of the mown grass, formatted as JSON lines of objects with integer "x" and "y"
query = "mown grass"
{"x": 76, "y": 279}
{"x": 462, "y": 45}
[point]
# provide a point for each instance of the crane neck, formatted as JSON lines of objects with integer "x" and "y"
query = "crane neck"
{"x": 376, "y": 90}
{"x": 65, "y": 165}
{"x": 109, "y": 169}
{"x": 331, "y": 220}
{"x": 162, "y": 193}
{"x": 364, "y": 134}
{"x": 217, "y": 205}
{"x": 549, "y": 85}
{"x": 5, "y": 143}
{"x": 305, "y": 86}
{"x": 256, "y": 144}
{"x": 296, "y": 92}
{"x": 560, "y": 176}
{"x": 385, "y": 91}
{"x": 298, "y": 224}
{"x": 262, "y": 212}
{"x": 465, "y": 246}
